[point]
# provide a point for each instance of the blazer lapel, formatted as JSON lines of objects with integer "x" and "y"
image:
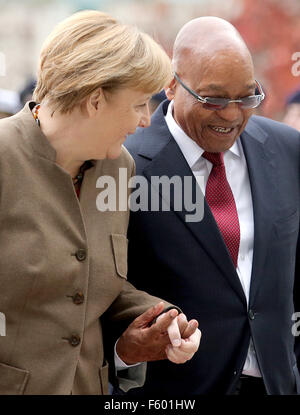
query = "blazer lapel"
{"x": 262, "y": 175}
{"x": 168, "y": 160}
{"x": 88, "y": 193}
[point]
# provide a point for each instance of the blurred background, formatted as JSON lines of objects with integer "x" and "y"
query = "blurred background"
{"x": 271, "y": 28}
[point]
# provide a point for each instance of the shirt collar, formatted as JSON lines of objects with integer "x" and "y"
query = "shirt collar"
{"x": 190, "y": 149}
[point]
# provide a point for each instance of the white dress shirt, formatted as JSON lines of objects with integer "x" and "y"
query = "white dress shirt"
{"x": 238, "y": 179}
{"x": 119, "y": 364}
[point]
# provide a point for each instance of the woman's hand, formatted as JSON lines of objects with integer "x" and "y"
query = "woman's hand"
{"x": 189, "y": 343}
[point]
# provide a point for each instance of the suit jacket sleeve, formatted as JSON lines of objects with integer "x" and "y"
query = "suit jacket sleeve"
{"x": 297, "y": 287}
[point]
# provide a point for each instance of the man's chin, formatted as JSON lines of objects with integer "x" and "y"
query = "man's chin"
{"x": 216, "y": 143}
{"x": 219, "y": 147}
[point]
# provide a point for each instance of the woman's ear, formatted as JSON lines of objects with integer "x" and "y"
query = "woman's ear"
{"x": 94, "y": 101}
{"x": 170, "y": 89}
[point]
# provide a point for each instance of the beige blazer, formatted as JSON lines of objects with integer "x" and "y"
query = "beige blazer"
{"x": 63, "y": 264}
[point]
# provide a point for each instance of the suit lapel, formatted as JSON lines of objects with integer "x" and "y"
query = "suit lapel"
{"x": 262, "y": 175}
{"x": 168, "y": 160}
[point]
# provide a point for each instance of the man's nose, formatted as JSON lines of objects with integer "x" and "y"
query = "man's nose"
{"x": 231, "y": 112}
{"x": 145, "y": 120}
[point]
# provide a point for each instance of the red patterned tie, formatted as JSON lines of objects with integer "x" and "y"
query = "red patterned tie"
{"x": 221, "y": 202}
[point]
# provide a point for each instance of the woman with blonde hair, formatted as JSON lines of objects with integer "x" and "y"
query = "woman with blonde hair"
{"x": 64, "y": 262}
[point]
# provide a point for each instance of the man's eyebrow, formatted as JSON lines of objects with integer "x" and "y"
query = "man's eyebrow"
{"x": 251, "y": 86}
{"x": 214, "y": 87}
{"x": 220, "y": 88}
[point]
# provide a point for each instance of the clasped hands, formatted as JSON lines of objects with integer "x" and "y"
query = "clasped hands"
{"x": 170, "y": 337}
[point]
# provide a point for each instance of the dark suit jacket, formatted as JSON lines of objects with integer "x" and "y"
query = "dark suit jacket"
{"x": 188, "y": 264}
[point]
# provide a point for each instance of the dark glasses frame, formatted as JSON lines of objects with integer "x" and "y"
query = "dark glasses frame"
{"x": 215, "y": 104}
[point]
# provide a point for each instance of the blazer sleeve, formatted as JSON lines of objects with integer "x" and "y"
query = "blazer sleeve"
{"x": 128, "y": 305}
{"x": 297, "y": 298}
{"x": 131, "y": 303}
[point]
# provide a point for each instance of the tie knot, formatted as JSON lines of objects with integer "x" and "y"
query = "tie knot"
{"x": 217, "y": 159}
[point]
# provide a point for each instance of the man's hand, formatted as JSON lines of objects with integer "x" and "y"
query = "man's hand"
{"x": 141, "y": 342}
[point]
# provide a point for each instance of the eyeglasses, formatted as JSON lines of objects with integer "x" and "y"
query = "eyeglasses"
{"x": 215, "y": 104}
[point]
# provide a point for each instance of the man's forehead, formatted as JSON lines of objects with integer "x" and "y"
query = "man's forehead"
{"x": 218, "y": 72}
{"x": 200, "y": 55}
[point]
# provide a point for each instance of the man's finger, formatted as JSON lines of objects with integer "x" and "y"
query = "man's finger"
{"x": 164, "y": 321}
{"x": 148, "y": 316}
{"x": 182, "y": 323}
{"x": 190, "y": 328}
{"x": 168, "y": 323}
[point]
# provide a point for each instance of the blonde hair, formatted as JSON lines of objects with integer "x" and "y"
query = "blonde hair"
{"x": 91, "y": 49}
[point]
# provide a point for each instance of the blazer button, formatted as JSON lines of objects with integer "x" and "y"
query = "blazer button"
{"x": 78, "y": 298}
{"x": 74, "y": 340}
{"x": 81, "y": 254}
{"x": 251, "y": 314}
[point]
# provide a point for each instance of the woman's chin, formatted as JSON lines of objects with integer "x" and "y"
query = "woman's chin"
{"x": 114, "y": 153}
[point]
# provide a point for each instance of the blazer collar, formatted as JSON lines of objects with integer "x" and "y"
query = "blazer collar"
{"x": 32, "y": 134}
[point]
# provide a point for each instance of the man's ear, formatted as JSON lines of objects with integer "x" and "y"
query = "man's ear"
{"x": 170, "y": 89}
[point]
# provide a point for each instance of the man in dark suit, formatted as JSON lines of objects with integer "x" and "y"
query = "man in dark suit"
{"x": 234, "y": 270}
